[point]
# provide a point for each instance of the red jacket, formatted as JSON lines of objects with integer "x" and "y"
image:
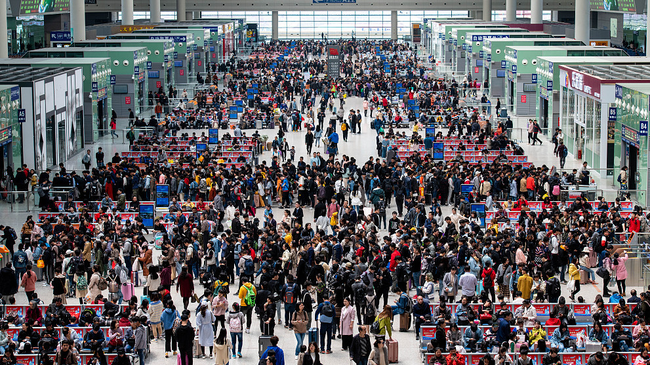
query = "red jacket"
{"x": 460, "y": 359}
{"x": 635, "y": 225}
{"x": 393, "y": 264}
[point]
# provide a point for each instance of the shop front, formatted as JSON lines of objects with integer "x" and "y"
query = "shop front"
{"x": 10, "y": 127}
{"x": 631, "y": 137}
{"x": 589, "y": 111}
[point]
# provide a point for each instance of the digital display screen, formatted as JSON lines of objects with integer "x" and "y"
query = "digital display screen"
{"x": 147, "y": 213}
{"x": 213, "y": 136}
{"x": 154, "y": 74}
{"x": 628, "y": 6}
{"x": 162, "y": 195}
{"x": 44, "y": 6}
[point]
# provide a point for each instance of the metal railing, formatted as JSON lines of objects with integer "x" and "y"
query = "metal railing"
{"x": 121, "y": 133}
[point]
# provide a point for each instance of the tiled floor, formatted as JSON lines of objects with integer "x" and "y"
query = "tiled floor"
{"x": 361, "y": 146}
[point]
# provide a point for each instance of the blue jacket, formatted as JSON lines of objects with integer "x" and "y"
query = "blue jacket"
{"x": 401, "y": 304}
{"x": 20, "y": 259}
{"x": 324, "y": 318}
{"x": 168, "y": 316}
{"x": 279, "y": 354}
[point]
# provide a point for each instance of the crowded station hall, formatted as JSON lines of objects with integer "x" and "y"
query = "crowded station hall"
{"x": 447, "y": 189}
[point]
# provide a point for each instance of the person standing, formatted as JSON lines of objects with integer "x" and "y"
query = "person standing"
{"x": 346, "y": 324}
{"x": 204, "y": 322}
{"x": 99, "y": 158}
{"x": 299, "y": 322}
{"x": 168, "y": 317}
{"x": 185, "y": 337}
{"x": 235, "y": 323}
{"x": 86, "y": 160}
{"x": 621, "y": 271}
{"x": 309, "y": 140}
{"x": 140, "y": 337}
{"x": 130, "y": 136}
{"x": 327, "y": 313}
{"x": 361, "y": 347}
{"x": 574, "y": 275}
{"x": 28, "y": 282}
{"x": 222, "y": 346}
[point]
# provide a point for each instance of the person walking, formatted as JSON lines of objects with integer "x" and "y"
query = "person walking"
{"x": 247, "y": 295}
{"x": 536, "y": 130}
{"x": 236, "y": 325}
{"x": 574, "y": 276}
{"x": 113, "y": 129}
{"x": 204, "y": 322}
{"x": 562, "y": 152}
{"x": 28, "y": 282}
{"x": 186, "y": 285}
{"x": 379, "y": 354}
{"x": 299, "y": 322}
{"x": 384, "y": 319}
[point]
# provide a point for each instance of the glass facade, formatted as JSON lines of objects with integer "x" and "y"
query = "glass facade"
{"x": 333, "y": 24}
{"x": 500, "y": 15}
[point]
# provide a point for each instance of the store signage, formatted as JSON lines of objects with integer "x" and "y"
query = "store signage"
{"x": 95, "y": 86}
{"x": 523, "y": 99}
{"x": 550, "y": 67}
{"x": 136, "y": 70}
{"x": 469, "y": 49}
{"x": 334, "y": 1}
{"x": 630, "y": 135}
{"x": 135, "y": 55}
{"x": 480, "y": 54}
{"x": 612, "y": 114}
{"x": 618, "y": 92}
{"x": 489, "y": 57}
{"x": 503, "y": 64}
{"x": 514, "y": 69}
{"x": 113, "y": 79}
{"x": 5, "y": 136}
{"x": 475, "y": 70}
{"x": 127, "y": 100}
{"x": 533, "y": 78}
{"x": 175, "y": 38}
{"x": 149, "y": 65}
{"x": 549, "y": 85}
{"x": 175, "y": 55}
{"x": 22, "y": 116}
{"x": 15, "y": 93}
{"x": 464, "y": 46}
{"x": 166, "y": 58}
{"x": 643, "y": 128}
{"x": 479, "y": 38}
{"x": 60, "y": 36}
{"x": 101, "y": 94}
{"x": 585, "y": 83}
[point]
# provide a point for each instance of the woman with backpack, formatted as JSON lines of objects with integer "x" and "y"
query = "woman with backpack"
{"x": 236, "y": 325}
{"x": 383, "y": 322}
{"x": 81, "y": 280}
{"x": 170, "y": 319}
{"x": 222, "y": 346}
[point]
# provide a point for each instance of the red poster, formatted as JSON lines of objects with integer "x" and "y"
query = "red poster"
{"x": 475, "y": 70}
{"x": 182, "y": 72}
{"x": 523, "y": 99}
{"x": 199, "y": 63}
{"x": 570, "y": 359}
{"x": 74, "y": 310}
{"x": 214, "y": 55}
{"x": 127, "y": 100}
{"x": 428, "y": 331}
{"x": 158, "y": 84}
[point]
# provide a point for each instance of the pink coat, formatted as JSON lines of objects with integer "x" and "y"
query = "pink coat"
{"x": 620, "y": 270}
{"x": 347, "y": 316}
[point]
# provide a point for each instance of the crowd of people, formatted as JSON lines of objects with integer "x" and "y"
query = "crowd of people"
{"x": 378, "y": 230}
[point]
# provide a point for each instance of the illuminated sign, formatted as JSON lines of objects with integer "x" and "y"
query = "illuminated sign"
{"x": 628, "y": 6}
{"x": 44, "y": 6}
{"x": 5, "y": 136}
{"x": 630, "y": 135}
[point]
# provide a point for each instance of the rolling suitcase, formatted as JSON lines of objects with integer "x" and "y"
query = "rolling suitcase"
{"x": 584, "y": 277}
{"x": 197, "y": 347}
{"x": 393, "y": 350}
{"x": 404, "y": 322}
{"x": 312, "y": 335}
{"x": 127, "y": 291}
{"x": 263, "y": 343}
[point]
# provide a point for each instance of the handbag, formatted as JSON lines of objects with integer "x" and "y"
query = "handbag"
{"x": 571, "y": 286}
{"x": 602, "y": 272}
{"x": 194, "y": 298}
{"x": 40, "y": 263}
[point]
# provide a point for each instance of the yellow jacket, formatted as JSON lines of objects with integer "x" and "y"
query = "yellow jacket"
{"x": 243, "y": 291}
{"x": 574, "y": 273}
{"x": 536, "y": 334}
{"x": 384, "y": 326}
{"x": 524, "y": 285}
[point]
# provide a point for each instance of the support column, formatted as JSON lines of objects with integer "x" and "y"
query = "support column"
{"x": 274, "y": 25}
{"x": 647, "y": 38}
{"x": 511, "y": 10}
{"x": 583, "y": 20}
{"x": 393, "y": 25}
{"x": 77, "y": 20}
{"x": 4, "y": 41}
{"x": 127, "y": 12}
{"x": 536, "y": 10}
{"x": 154, "y": 9}
{"x": 181, "y": 10}
{"x": 487, "y": 10}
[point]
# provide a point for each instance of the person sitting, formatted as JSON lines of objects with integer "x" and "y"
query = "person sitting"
{"x": 438, "y": 358}
{"x": 561, "y": 337}
{"x": 552, "y": 358}
{"x": 621, "y": 338}
{"x": 597, "y": 334}
{"x": 93, "y": 338}
{"x": 454, "y": 336}
{"x": 473, "y": 338}
{"x": 421, "y": 313}
{"x": 537, "y": 337}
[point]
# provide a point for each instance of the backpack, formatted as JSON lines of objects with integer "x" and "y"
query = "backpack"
{"x": 556, "y": 189}
{"x": 370, "y": 309}
{"x": 102, "y": 284}
{"x": 289, "y": 296}
{"x": 619, "y": 178}
{"x": 487, "y": 281}
{"x": 375, "y": 328}
{"x": 177, "y": 323}
{"x": 249, "y": 267}
{"x": 328, "y": 310}
{"x": 82, "y": 282}
{"x": 553, "y": 288}
{"x": 322, "y": 193}
{"x": 235, "y": 324}
{"x": 13, "y": 233}
{"x": 249, "y": 300}
{"x": 409, "y": 305}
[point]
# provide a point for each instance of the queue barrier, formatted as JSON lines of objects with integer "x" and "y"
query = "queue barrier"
{"x": 537, "y": 206}
{"x": 478, "y": 152}
{"x": 567, "y": 358}
{"x": 83, "y": 358}
{"x": 126, "y": 216}
{"x": 74, "y": 309}
{"x": 581, "y": 311}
